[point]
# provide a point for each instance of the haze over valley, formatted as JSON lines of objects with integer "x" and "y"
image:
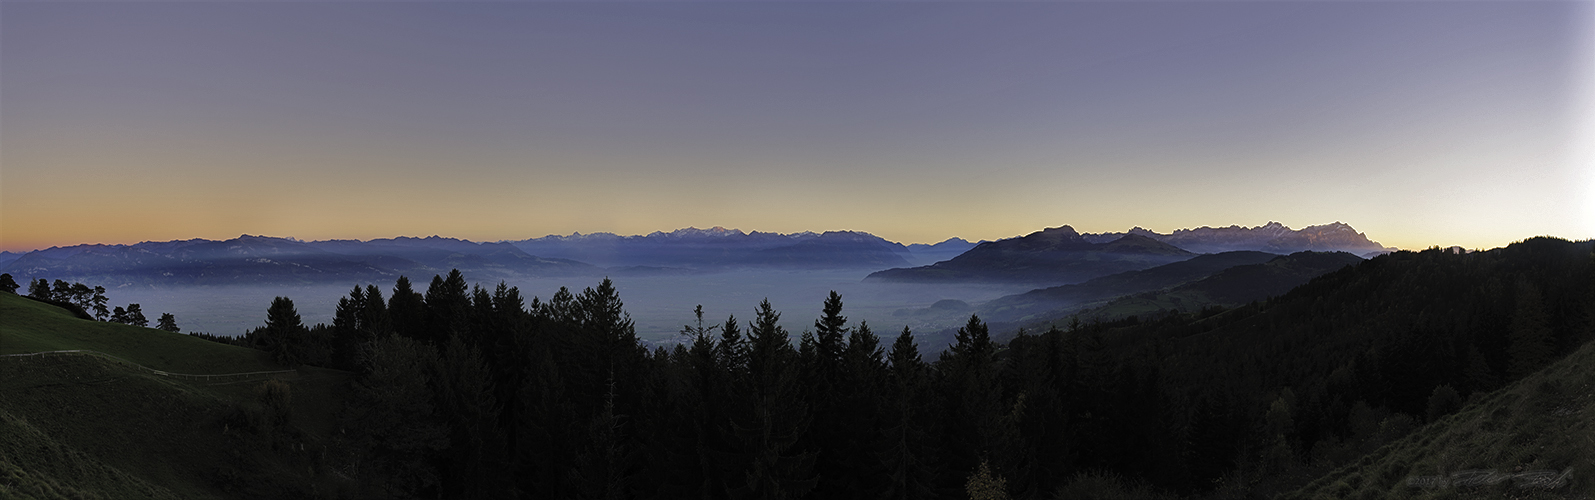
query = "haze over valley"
{"x": 222, "y": 287}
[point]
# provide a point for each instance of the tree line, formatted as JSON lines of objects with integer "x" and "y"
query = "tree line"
{"x": 86, "y": 302}
{"x": 465, "y": 391}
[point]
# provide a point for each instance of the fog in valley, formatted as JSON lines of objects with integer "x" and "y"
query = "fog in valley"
{"x": 659, "y": 305}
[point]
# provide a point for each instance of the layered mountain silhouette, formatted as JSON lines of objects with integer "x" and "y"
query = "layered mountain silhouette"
{"x": 1051, "y": 256}
{"x": 1272, "y": 237}
{"x": 719, "y": 248}
{"x": 260, "y": 259}
{"x": 1061, "y": 255}
{"x": 925, "y": 254}
{"x": 1098, "y": 290}
{"x": 268, "y": 260}
{"x": 1230, "y": 287}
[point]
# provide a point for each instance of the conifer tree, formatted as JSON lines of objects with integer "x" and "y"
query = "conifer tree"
{"x": 972, "y": 396}
{"x": 829, "y": 332}
{"x": 39, "y": 289}
{"x": 448, "y": 305}
{"x": 466, "y": 405}
{"x": 732, "y": 352}
{"x": 82, "y": 296}
{"x": 603, "y": 469}
{"x": 284, "y": 335}
{"x": 391, "y": 420}
{"x": 408, "y": 310}
{"x": 135, "y": 316}
{"x": 1532, "y": 344}
{"x": 61, "y": 291}
{"x": 168, "y": 323}
{"x": 98, "y": 302}
{"x": 607, "y": 345}
{"x": 984, "y": 485}
{"x": 346, "y": 329}
{"x": 767, "y": 434}
{"x": 906, "y": 454}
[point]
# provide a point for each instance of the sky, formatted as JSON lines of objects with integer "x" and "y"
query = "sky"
{"x": 1420, "y": 123}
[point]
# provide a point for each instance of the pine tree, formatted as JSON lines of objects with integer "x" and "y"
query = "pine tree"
{"x": 284, "y": 335}
{"x": 829, "y": 332}
{"x": 135, "y": 316}
{"x": 767, "y": 433}
{"x": 1532, "y": 343}
{"x": 82, "y": 296}
{"x": 391, "y": 420}
{"x": 732, "y": 353}
{"x": 61, "y": 291}
{"x": 857, "y": 420}
{"x": 465, "y": 403}
{"x": 39, "y": 289}
{"x": 346, "y": 329}
{"x": 972, "y": 396}
{"x": 408, "y": 311}
{"x": 448, "y": 305}
{"x": 984, "y": 485}
{"x": 607, "y": 348}
{"x": 906, "y": 454}
{"x": 168, "y": 323}
{"x": 98, "y": 302}
{"x": 603, "y": 469}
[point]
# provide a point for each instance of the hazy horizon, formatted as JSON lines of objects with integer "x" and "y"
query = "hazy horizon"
{"x": 745, "y": 231}
{"x": 659, "y": 305}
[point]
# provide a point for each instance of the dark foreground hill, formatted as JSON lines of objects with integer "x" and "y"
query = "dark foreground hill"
{"x": 146, "y": 416}
{"x": 1531, "y": 439}
{"x": 558, "y": 399}
{"x": 1053, "y": 256}
{"x": 1281, "y": 391}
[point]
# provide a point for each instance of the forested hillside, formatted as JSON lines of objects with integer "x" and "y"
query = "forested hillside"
{"x": 469, "y": 392}
{"x": 557, "y": 398}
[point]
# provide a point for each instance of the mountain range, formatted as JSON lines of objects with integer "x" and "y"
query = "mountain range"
{"x": 1046, "y": 258}
{"x": 1272, "y": 237}
{"x": 718, "y": 247}
{"x": 269, "y": 260}
{"x": 1051, "y": 256}
{"x": 1061, "y": 255}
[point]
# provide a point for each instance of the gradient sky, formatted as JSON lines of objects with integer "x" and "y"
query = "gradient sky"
{"x": 1419, "y": 123}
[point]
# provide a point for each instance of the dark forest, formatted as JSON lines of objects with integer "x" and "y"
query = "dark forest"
{"x": 470, "y": 392}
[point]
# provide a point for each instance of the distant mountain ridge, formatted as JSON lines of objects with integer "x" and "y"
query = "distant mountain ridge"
{"x": 1099, "y": 290}
{"x": 718, "y": 247}
{"x": 250, "y": 259}
{"x": 1272, "y": 237}
{"x": 1052, "y": 256}
{"x": 262, "y": 259}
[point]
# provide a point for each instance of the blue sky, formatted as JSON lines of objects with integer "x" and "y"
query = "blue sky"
{"x": 1419, "y": 123}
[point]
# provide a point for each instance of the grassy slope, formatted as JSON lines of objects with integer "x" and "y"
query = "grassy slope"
{"x": 30, "y": 326}
{"x": 1545, "y": 422}
{"x": 86, "y": 427}
{"x": 35, "y": 466}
